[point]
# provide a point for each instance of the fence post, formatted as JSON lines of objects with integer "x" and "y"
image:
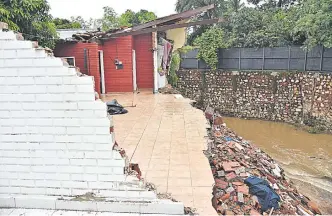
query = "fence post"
{"x": 263, "y": 63}
{"x": 240, "y": 58}
{"x": 289, "y": 57}
{"x": 321, "y": 58}
{"x": 305, "y": 59}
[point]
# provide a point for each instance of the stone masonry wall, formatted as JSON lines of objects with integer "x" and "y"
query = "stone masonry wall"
{"x": 54, "y": 136}
{"x": 292, "y": 97}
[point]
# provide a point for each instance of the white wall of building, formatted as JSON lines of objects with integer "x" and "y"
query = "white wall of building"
{"x": 54, "y": 136}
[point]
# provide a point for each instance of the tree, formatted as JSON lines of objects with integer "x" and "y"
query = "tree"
{"x": 315, "y": 22}
{"x": 235, "y": 5}
{"x": 209, "y": 43}
{"x": 31, "y": 18}
{"x": 221, "y": 7}
{"x": 144, "y": 16}
{"x": 110, "y": 19}
{"x": 266, "y": 4}
{"x": 83, "y": 23}
{"x": 66, "y": 24}
{"x": 129, "y": 18}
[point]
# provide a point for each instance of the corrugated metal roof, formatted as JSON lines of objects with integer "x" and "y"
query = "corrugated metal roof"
{"x": 68, "y": 33}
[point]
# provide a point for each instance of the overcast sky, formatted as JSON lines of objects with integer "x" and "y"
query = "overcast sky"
{"x": 93, "y": 8}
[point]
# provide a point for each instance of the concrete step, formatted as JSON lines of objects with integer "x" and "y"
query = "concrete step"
{"x": 96, "y": 204}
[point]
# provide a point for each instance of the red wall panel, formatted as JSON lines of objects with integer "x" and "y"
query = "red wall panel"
{"x": 118, "y": 80}
{"x": 144, "y": 60}
{"x": 77, "y": 50}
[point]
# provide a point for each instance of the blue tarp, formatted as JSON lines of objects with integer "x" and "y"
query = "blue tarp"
{"x": 267, "y": 197}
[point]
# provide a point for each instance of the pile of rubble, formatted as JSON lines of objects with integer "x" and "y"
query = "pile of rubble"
{"x": 247, "y": 180}
{"x": 168, "y": 89}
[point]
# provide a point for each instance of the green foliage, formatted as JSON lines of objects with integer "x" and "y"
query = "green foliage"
{"x": 264, "y": 4}
{"x": 32, "y": 18}
{"x": 82, "y": 22}
{"x": 208, "y": 44}
{"x": 174, "y": 67}
{"x": 185, "y": 49}
{"x": 112, "y": 20}
{"x": 315, "y": 22}
{"x": 235, "y": 5}
{"x": 66, "y": 24}
{"x": 251, "y": 27}
{"x": 127, "y": 18}
{"x": 144, "y": 16}
{"x": 220, "y": 7}
{"x": 130, "y": 18}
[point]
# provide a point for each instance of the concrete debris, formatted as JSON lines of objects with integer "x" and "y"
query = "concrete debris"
{"x": 190, "y": 211}
{"x": 233, "y": 160}
{"x": 168, "y": 90}
{"x": 151, "y": 187}
{"x": 187, "y": 210}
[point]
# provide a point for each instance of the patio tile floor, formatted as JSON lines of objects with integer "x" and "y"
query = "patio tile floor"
{"x": 166, "y": 137}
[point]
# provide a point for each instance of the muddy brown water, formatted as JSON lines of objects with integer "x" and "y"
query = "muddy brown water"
{"x": 306, "y": 158}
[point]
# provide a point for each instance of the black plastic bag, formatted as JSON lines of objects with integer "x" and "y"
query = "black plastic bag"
{"x": 114, "y": 108}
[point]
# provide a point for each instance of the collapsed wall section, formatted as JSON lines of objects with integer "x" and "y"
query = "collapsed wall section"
{"x": 54, "y": 136}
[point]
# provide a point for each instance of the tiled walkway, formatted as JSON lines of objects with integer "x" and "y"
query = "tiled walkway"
{"x": 166, "y": 136}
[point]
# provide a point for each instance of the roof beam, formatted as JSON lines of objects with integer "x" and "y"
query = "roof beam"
{"x": 166, "y": 27}
{"x": 185, "y": 14}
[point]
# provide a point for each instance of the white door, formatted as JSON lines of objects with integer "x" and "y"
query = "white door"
{"x": 134, "y": 71}
{"x": 102, "y": 71}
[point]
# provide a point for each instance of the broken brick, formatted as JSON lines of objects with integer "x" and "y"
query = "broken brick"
{"x": 240, "y": 197}
{"x": 229, "y": 212}
{"x": 230, "y": 190}
{"x": 217, "y": 134}
{"x": 244, "y": 175}
{"x": 231, "y": 176}
{"x": 230, "y": 166}
{"x": 225, "y": 196}
{"x": 240, "y": 170}
{"x": 221, "y": 184}
{"x": 254, "y": 212}
{"x": 237, "y": 183}
{"x": 271, "y": 179}
{"x": 218, "y": 121}
{"x": 243, "y": 189}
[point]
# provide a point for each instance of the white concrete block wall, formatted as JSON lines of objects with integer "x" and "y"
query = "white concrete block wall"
{"x": 54, "y": 137}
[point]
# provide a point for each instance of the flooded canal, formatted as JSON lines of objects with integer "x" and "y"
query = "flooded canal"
{"x": 306, "y": 158}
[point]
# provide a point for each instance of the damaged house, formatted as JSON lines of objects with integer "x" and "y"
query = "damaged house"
{"x": 127, "y": 59}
